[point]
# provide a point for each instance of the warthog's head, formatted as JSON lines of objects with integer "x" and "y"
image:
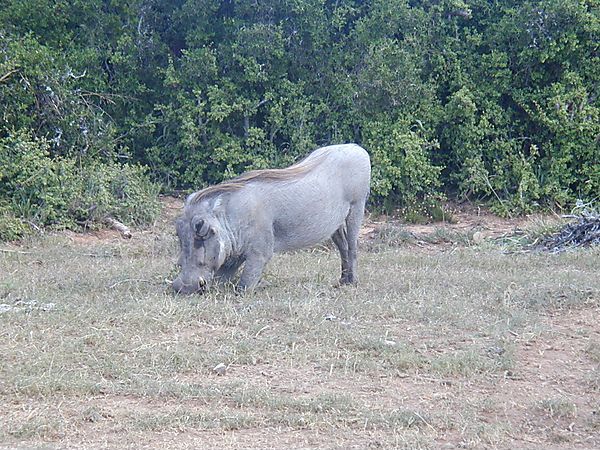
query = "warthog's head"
{"x": 202, "y": 251}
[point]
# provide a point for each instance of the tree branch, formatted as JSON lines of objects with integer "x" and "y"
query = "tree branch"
{"x": 121, "y": 228}
{"x": 7, "y": 75}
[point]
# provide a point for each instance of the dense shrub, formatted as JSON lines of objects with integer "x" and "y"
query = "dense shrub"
{"x": 403, "y": 173}
{"x": 495, "y": 101}
{"x": 39, "y": 191}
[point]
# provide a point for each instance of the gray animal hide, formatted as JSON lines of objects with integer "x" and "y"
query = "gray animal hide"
{"x": 245, "y": 220}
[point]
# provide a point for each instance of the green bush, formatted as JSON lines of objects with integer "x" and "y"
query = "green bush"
{"x": 60, "y": 193}
{"x": 121, "y": 191}
{"x": 36, "y": 187}
{"x": 494, "y": 101}
{"x": 11, "y": 227}
{"x": 403, "y": 173}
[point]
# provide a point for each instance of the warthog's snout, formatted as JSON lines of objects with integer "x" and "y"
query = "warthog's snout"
{"x": 189, "y": 288}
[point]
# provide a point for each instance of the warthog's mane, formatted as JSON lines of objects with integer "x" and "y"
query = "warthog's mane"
{"x": 266, "y": 175}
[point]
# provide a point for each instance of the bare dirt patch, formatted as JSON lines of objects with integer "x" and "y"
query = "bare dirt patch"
{"x": 465, "y": 224}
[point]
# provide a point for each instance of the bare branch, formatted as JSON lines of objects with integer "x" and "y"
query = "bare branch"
{"x": 7, "y": 75}
{"x": 20, "y": 252}
{"x": 121, "y": 228}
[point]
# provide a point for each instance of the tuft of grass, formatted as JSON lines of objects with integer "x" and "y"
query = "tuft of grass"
{"x": 36, "y": 428}
{"x": 535, "y": 231}
{"x": 396, "y": 419}
{"x": 462, "y": 363}
{"x": 592, "y": 351}
{"x": 323, "y": 403}
{"x": 36, "y": 423}
{"x": 593, "y": 420}
{"x": 389, "y": 235}
{"x": 593, "y": 379}
{"x": 558, "y": 408}
{"x": 442, "y": 235}
{"x": 183, "y": 419}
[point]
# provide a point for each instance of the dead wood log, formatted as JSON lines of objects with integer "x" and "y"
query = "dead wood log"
{"x": 120, "y": 227}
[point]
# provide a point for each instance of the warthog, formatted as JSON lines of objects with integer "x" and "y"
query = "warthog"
{"x": 247, "y": 219}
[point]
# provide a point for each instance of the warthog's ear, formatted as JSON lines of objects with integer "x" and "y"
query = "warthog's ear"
{"x": 201, "y": 227}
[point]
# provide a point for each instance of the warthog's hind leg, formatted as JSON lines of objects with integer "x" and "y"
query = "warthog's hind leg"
{"x": 353, "y": 223}
{"x": 341, "y": 242}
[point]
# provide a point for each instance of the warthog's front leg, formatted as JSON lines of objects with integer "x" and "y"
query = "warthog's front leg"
{"x": 253, "y": 269}
{"x": 226, "y": 273}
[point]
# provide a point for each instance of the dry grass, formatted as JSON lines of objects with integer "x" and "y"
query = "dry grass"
{"x": 463, "y": 347}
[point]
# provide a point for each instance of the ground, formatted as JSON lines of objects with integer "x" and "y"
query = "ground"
{"x": 454, "y": 338}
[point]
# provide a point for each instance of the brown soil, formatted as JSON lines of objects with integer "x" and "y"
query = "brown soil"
{"x": 551, "y": 367}
{"x": 472, "y": 220}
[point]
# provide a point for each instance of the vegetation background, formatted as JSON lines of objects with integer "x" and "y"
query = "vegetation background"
{"x": 105, "y": 102}
{"x": 474, "y": 344}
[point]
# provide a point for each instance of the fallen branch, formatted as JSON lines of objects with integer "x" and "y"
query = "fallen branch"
{"x": 20, "y": 252}
{"x": 8, "y": 74}
{"x": 121, "y": 228}
{"x": 129, "y": 280}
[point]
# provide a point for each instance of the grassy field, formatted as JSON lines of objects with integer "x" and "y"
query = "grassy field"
{"x": 441, "y": 346}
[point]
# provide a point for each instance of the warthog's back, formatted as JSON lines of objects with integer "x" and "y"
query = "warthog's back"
{"x": 308, "y": 207}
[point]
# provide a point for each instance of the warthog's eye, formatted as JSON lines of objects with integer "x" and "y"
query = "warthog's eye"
{"x": 202, "y": 228}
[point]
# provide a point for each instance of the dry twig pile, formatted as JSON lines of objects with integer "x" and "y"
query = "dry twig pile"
{"x": 583, "y": 232}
